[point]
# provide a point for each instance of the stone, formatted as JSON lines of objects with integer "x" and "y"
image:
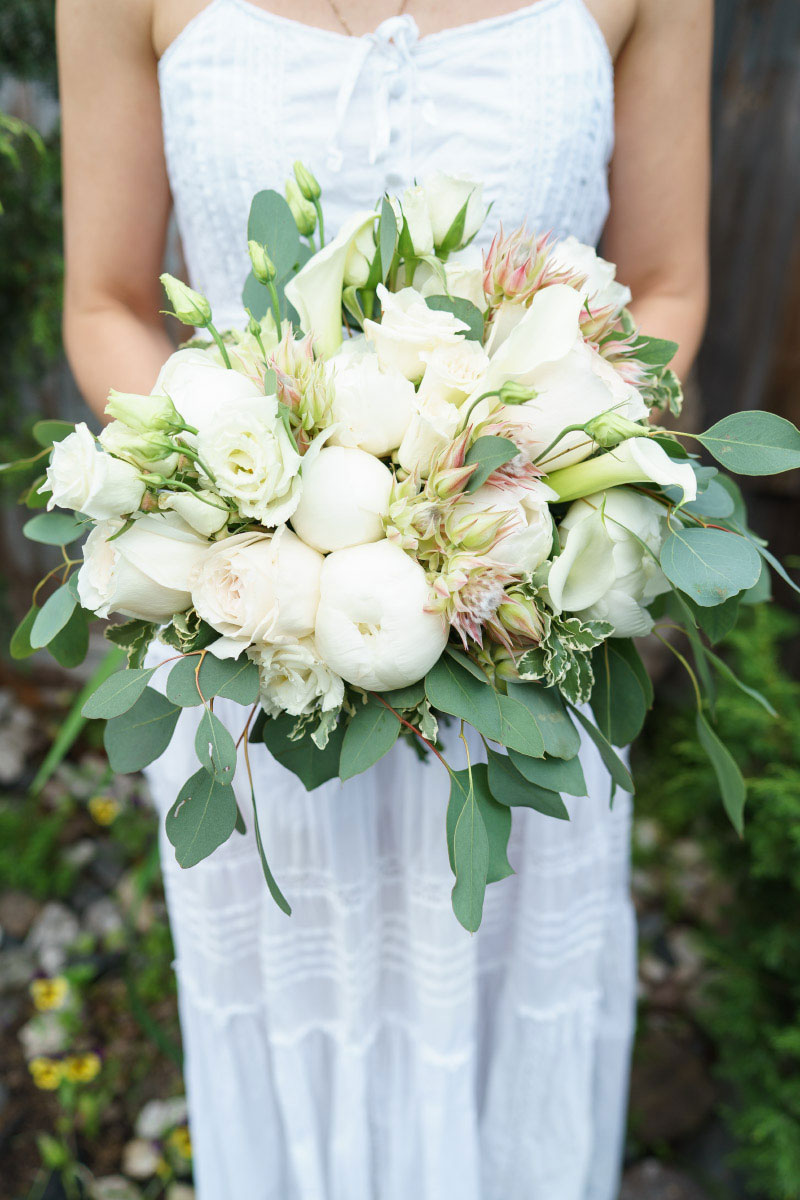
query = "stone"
{"x": 159, "y": 1116}
{"x": 18, "y": 911}
{"x": 140, "y": 1159}
{"x": 651, "y": 1180}
{"x": 18, "y": 735}
{"x": 79, "y": 855}
{"x": 43, "y": 1034}
{"x": 103, "y": 918}
{"x": 672, "y": 1094}
{"x": 51, "y": 935}
{"x": 17, "y": 965}
{"x": 180, "y": 1191}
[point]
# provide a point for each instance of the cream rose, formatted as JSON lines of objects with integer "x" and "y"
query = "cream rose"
{"x": 432, "y": 427}
{"x": 604, "y": 572}
{"x": 253, "y": 460}
{"x": 453, "y": 372}
{"x": 372, "y": 408}
{"x": 372, "y": 625}
{"x": 295, "y": 680}
{"x": 601, "y": 289}
{"x": 345, "y": 498}
{"x": 83, "y": 478}
{"x": 200, "y": 388}
{"x": 143, "y": 573}
{"x": 256, "y": 587}
{"x": 407, "y": 329}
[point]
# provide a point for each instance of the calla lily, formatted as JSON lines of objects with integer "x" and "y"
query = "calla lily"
{"x": 547, "y": 332}
{"x": 316, "y": 290}
{"x": 637, "y": 460}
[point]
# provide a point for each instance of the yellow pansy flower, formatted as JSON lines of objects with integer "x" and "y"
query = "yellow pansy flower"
{"x": 181, "y": 1142}
{"x": 49, "y": 994}
{"x": 103, "y": 809}
{"x": 82, "y": 1068}
{"x": 46, "y": 1073}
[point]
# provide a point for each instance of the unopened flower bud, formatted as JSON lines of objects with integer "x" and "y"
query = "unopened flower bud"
{"x": 189, "y": 306}
{"x": 303, "y": 211}
{"x": 521, "y": 618}
{"x": 608, "y": 429}
{"x": 143, "y": 413}
{"x": 263, "y": 266}
{"x": 306, "y": 182}
{"x": 504, "y": 665}
{"x": 513, "y": 392}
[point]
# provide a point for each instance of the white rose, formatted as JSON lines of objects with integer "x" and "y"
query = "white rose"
{"x": 83, "y": 478}
{"x": 432, "y": 427}
{"x": 145, "y": 572}
{"x": 452, "y": 372}
{"x": 295, "y": 680}
{"x": 601, "y": 288}
{"x": 604, "y": 572}
{"x": 528, "y": 535}
{"x": 415, "y": 210}
{"x": 445, "y": 196}
{"x": 571, "y": 391}
{"x": 464, "y": 274}
{"x": 316, "y": 290}
{"x": 407, "y": 329}
{"x": 256, "y": 587}
{"x": 372, "y": 625}
{"x": 253, "y": 460}
{"x": 201, "y": 388}
{"x": 206, "y": 513}
{"x": 372, "y": 407}
{"x": 345, "y": 498}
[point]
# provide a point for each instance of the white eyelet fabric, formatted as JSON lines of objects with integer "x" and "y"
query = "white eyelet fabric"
{"x": 367, "y": 1047}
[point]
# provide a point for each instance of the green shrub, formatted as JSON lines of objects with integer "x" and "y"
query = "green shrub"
{"x": 751, "y": 1007}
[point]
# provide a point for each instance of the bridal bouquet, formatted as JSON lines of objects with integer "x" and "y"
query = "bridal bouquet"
{"x": 453, "y": 508}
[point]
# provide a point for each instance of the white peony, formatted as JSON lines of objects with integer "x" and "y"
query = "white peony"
{"x": 316, "y": 290}
{"x": 372, "y": 625}
{"x": 601, "y": 289}
{"x": 145, "y": 572}
{"x": 432, "y": 427}
{"x": 604, "y": 572}
{"x": 345, "y": 498}
{"x": 407, "y": 329}
{"x": 295, "y": 680}
{"x": 371, "y": 407}
{"x": 528, "y": 532}
{"x": 200, "y": 388}
{"x": 205, "y": 512}
{"x": 253, "y": 460}
{"x": 445, "y": 196}
{"x": 452, "y": 372}
{"x": 256, "y": 587}
{"x": 83, "y": 478}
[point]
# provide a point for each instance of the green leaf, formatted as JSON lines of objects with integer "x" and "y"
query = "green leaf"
{"x": 454, "y": 690}
{"x": 777, "y": 566}
{"x": 760, "y": 592}
{"x": 733, "y": 678}
{"x": 455, "y": 234}
{"x": 139, "y": 736}
{"x": 558, "y": 735}
{"x": 407, "y": 697}
{"x": 201, "y": 819}
{"x": 47, "y": 432}
{"x": 55, "y": 528}
{"x": 20, "y": 645}
{"x": 181, "y": 687}
{"x": 470, "y": 846}
{"x": 490, "y": 453}
{"x": 714, "y": 501}
{"x": 614, "y": 765}
{"x": 509, "y": 787}
{"x": 274, "y": 890}
{"x": 272, "y": 225}
{"x": 117, "y": 694}
{"x": 370, "y": 734}
{"x": 52, "y": 617}
{"x": 729, "y": 777}
{"x": 256, "y": 298}
{"x": 655, "y": 352}
{"x": 463, "y": 310}
{"x": 134, "y": 637}
{"x": 466, "y": 662}
{"x": 215, "y": 747}
{"x": 387, "y": 237}
{"x": 70, "y": 646}
{"x": 311, "y": 765}
{"x": 553, "y": 774}
{"x": 754, "y": 443}
{"x": 718, "y": 621}
{"x": 710, "y": 565}
{"x": 620, "y": 698}
{"x": 229, "y": 678}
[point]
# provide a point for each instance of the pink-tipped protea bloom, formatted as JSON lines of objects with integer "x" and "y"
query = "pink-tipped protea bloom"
{"x": 517, "y": 265}
{"x": 470, "y": 592}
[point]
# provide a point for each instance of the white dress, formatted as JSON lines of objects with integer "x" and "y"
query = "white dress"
{"x": 367, "y": 1047}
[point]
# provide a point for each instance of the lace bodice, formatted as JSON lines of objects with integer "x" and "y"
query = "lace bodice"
{"x": 523, "y": 102}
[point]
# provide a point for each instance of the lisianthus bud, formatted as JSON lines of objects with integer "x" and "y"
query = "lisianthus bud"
{"x": 608, "y": 429}
{"x": 263, "y": 266}
{"x": 303, "y": 211}
{"x": 189, "y": 306}
{"x": 149, "y": 451}
{"x": 513, "y": 392}
{"x": 143, "y": 413}
{"x": 306, "y": 182}
{"x": 503, "y": 663}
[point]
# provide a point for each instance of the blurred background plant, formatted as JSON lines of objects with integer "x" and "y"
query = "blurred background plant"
{"x": 90, "y": 1093}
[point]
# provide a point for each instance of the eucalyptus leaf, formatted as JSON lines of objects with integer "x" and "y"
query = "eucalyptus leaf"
{"x": 463, "y": 310}
{"x": 117, "y": 694}
{"x": 470, "y": 845}
{"x": 47, "y": 432}
{"x": 558, "y": 734}
{"x": 490, "y": 453}
{"x": 620, "y": 698}
{"x": 454, "y": 690}
{"x": 215, "y": 747}
{"x": 509, "y": 787}
{"x": 311, "y": 765}
{"x": 563, "y": 775}
{"x": 201, "y": 819}
{"x": 387, "y": 237}
{"x": 52, "y": 617}
{"x": 613, "y": 763}
{"x": 370, "y": 734}
{"x": 142, "y": 734}
{"x": 655, "y": 352}
{"x": 718, "y": 621}
{"x": 55, "y": 528}
{"x": 709, "y": 565}
{"x": 70, "y": 646}
{"x": 20, "y": 645}
{"x": 271, "y": 224}
{"x": 274, "y": 890}
{"x": 729, "y": 777}
{"x": 754, "y": 443}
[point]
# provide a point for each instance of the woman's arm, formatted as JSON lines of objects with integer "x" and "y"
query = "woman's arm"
{"x": 116, "y": 196}
{"x": 658, "y": 227}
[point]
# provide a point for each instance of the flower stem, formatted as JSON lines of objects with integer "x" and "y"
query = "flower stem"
{"x": 415, "y": 731}
{"x": 223, "y": 349}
